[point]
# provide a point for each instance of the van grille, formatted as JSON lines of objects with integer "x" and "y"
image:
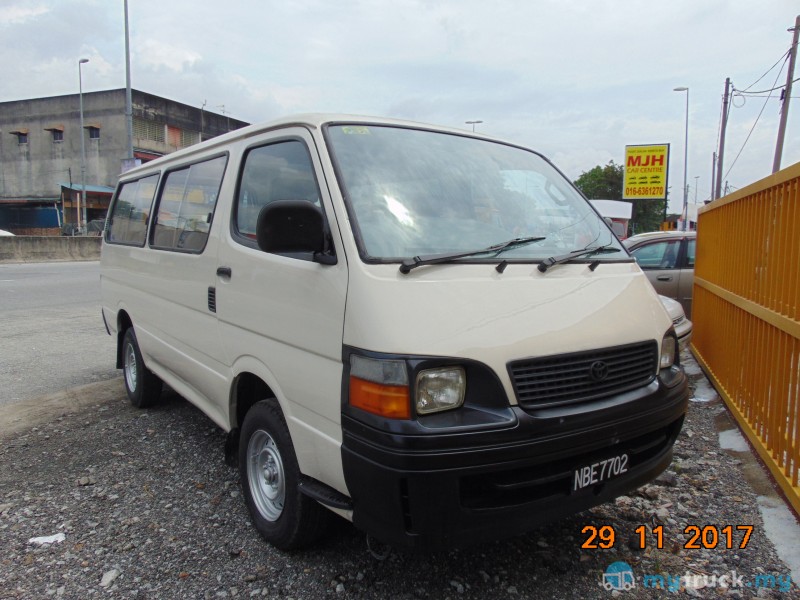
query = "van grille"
{"x": 581, "y": 376}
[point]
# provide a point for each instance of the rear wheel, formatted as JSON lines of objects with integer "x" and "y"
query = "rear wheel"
{"x": 143, "y": 387}
{"x": 270, "y": 476}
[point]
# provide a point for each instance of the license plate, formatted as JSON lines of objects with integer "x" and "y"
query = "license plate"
{"x": 598, "y": 472}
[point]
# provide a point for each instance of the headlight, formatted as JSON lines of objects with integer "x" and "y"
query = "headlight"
{"x": 669, "y": 351}
{"x": 440, "y": 389}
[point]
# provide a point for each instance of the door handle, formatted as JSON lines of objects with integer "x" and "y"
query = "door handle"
{"x": 659, "y": 278}
{"x": 224, "y": 272}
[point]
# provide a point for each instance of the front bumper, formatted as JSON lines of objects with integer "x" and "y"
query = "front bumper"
{"x": 684, "y": 338}
{"x": 444, "y": 490}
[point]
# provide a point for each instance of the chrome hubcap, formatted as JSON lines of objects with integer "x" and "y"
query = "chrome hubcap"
{"x": 130, "y": 367}
{"x": 265, "y": 475}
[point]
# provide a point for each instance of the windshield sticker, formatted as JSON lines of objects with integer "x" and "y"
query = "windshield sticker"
{"x": 355, "y": 130}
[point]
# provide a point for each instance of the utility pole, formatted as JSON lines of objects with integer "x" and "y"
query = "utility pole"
{"x": 787, "y": 94}
{"x": 713, "y": 175}
{"x": 721, "y": 153}
{"x": 128, "y": 99}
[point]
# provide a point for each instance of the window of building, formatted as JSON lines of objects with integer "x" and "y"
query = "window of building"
{"x": 94, "y": 132}
{"x": 130, "y": 212}
{"x": 57, "y": 131}
{"x": 148, "y": 130}
{"x": 186, "y": 206}
{"x": 22, "y": 136}
{"x": 189, "y": 137}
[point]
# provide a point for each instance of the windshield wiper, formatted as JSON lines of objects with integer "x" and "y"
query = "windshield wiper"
{"x": 557, "y": 260}
{"x": 432, "y": 259}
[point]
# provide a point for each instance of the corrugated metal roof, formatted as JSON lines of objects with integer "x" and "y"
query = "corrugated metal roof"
{"x": 97, "y": 189}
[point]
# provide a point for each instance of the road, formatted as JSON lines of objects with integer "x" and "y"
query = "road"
{"x": 52, "y": 333}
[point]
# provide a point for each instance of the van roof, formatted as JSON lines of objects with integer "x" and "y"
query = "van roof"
{"x": 310, "y": 120}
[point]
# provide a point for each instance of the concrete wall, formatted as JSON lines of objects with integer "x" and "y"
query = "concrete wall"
{"x": 24, "y": 248}
{"x": 35, "y": 169}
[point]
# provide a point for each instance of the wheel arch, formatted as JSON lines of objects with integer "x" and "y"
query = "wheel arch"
{"x": 253, "y": 381}
{"x": 124, "y": 323}
{"x": 247, "y": 389}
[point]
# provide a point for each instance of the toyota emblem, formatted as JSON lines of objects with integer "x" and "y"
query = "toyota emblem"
{"x": 598, "y": 371}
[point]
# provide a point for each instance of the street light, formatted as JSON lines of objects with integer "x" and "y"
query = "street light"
{"x": 83, "y": 147}
{"x": 473, "y": 123}
{"x": 685, "y": 159}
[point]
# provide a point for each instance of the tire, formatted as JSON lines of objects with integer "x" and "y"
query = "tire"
{"x": 285, "y": 517}
{"x": 143, "y": 387}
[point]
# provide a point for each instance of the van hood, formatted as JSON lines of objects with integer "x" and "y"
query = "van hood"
{"x": 471, "y": 311}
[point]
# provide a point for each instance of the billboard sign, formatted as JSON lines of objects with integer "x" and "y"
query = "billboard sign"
{"x": 646, "y": 170}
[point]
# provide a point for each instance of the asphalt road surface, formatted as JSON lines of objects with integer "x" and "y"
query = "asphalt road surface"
{"x": 51, "y": 332}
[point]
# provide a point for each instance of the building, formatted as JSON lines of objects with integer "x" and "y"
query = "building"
{"x": 618, "y": 211}
{"x": 40, "y": 152}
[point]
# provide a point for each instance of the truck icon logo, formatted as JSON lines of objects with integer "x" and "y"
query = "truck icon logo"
{"x": 619, "y": 576}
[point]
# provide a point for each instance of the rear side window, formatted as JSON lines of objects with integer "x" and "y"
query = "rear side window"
{"x": 281, "y": 171}
{"x": 131, "y": 212}
{"x": 186, "y": 206}
{"x": 691, "y": 248}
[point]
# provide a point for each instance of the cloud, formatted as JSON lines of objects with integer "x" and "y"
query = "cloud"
{"x": 576, "y": 80}
{"x": 155, "y": 54}
{"x": 16, "y": 14}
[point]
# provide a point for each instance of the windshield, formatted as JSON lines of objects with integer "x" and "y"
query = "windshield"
{"x": 412, "y": 192}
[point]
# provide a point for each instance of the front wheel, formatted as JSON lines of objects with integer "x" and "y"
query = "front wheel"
{"x": 270, "y": 476}
{"x": 143, "y": 387}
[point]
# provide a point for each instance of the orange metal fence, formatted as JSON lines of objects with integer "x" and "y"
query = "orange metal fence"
{"x": 746, "y": 313}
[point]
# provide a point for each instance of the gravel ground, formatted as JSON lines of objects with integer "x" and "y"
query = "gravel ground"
{"x": 148, "y": 509}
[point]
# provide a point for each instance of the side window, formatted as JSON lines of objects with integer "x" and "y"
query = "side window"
{"x": 691, "y": 247}
{"x": 281, "y": 171}
{"x": 658, "y": 255}
{"x": 186, "y": 206}
{"x": 131, "y": 211}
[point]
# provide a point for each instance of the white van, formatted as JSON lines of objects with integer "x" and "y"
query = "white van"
{"x": 424, "y": 330}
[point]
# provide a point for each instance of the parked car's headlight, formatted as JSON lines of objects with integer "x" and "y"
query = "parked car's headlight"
{"x": 669, "y": 351}
{"x": 440, "y": 389}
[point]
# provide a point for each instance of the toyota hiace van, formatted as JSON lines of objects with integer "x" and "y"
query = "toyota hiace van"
{"x": 422, "y": 329}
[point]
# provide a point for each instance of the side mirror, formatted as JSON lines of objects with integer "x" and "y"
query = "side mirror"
{"x": 293, "y": 227}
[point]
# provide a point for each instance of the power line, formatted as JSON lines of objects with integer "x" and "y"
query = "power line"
{"x": 780, "y": 87}
{"x": 756, "y": 122}
{"x": 784, "y": 56}
{"x": 764, "y": 95}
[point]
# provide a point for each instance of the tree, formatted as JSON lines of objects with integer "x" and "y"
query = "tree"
{"x": 606, "y": 183}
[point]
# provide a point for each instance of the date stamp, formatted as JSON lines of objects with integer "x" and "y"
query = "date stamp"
{"x": 696, "y": 537}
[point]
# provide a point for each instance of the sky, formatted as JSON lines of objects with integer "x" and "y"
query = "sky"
{"x": 577, "y": 80}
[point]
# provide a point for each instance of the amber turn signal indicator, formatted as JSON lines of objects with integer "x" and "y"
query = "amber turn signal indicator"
{"x": 390, "y": 401}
